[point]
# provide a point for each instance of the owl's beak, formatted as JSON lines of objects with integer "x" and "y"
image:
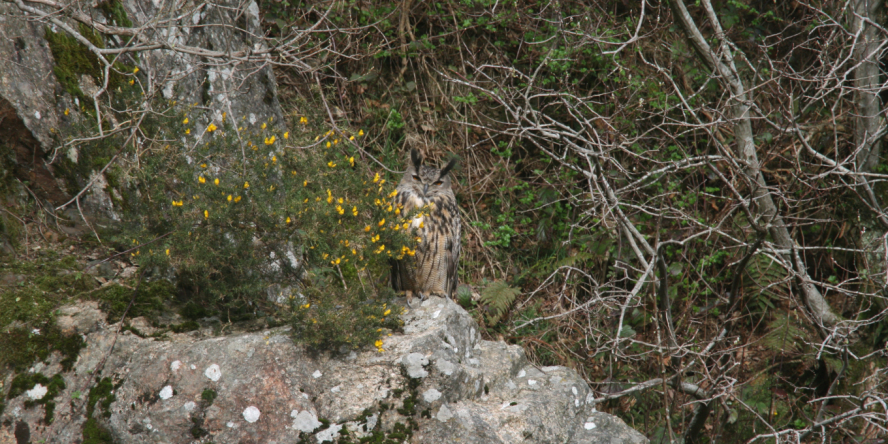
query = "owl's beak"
{"x": 425, "y": 189}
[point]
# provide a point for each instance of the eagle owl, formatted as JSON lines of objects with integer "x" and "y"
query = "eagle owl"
{"x": 433, "y": 268}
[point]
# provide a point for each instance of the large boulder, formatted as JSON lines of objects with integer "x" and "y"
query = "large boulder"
{"x": 438, "y": 382}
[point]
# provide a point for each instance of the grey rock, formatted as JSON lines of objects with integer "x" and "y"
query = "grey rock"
{"x": 483, "y": 395}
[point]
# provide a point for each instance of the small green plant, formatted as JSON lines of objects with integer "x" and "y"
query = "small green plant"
{"x": 498, "y": 296}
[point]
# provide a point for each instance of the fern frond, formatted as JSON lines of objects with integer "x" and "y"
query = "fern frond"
{"x": 499, "y": 296}
{"x": 786, "y": 336}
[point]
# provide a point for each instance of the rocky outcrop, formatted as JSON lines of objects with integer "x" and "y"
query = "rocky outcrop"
{"x": 438, "y": 382}
{"x": 192, "y": 67}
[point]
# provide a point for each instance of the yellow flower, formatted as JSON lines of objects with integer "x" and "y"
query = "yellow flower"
{"x": 367, "y": 229}
{"x": 354, "y": 251}
{"x": 288, "y": 219}
{"x": 201, "y": 179}
{"x": 381, "y": 182}
{"x": 422, "y": 224}
{"x": 203, "y": 165}
{"x": 378, "y": 343}
{"x": 135, "y": 70}
{"x": 206, "y": 214}
{"x": 328, "y": 144}
{"x": 398, "y": 211}
{"x": 351, "y": 161}
{"x": 237, "y": 199}
{"x": 376, "y": 178}
{"x": 335, "y": 141}
{"x": 303, "y": 120}
{"x": 361, "y": 132}
{"x": 168, "y": 252}
{"x": 305, "y": 183}
{"x": 269, "y": 140}
{"x": 382, "y": 222}
{"x": 351, "y": 138}
{"x": 339, "y": 200}
{"x": 393, "y": 193}
{"x": 389, "y": 209}
{"x": 229, "y": 198}
{"x": 387, "y": 312}
{"x": 274, "y": 159}
{"x": 216, "y": 181}
{"x": 331, "y": 164}
{"x": 188, "y": 131}
{"x": 185, "y": 122}
{"x": 263, "y": 125}
{"x": 340, "y": 210}
{"x": 287, "y": 135}
{"x": 132, "y": 81}
{"x": 354, "y": 211}
{"x": 67, "y": 111}
{"x": 246, "y": 185}
{"x": 211, "y": 128}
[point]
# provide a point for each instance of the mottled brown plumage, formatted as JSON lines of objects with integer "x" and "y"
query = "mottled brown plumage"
{"x": 434, "y": 267}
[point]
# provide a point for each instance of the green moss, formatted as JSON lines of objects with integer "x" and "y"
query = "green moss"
{"x": 26, "y": 381}
{"x": 185, "y": 326}
{"x": 208, "y": 395}
{"x": 21, "y": 347}
{"x": 95, "y": 433}
{"x": 115, "y": 13}
{"x": 73, "y": 60}
{"x": 153, "y": 298}
{"x": 101, "y": 394}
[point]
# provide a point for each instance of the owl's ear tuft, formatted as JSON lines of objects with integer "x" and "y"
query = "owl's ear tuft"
{"x": 448, "y": 167}
{"x": 415, "y": 159}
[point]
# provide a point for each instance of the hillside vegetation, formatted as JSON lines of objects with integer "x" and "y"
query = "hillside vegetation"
{"x": 683, "y": 202}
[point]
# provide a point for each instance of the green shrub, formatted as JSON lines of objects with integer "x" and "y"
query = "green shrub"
{"x": 249, "y": 225}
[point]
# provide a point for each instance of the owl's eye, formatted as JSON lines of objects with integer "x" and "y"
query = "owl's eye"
{"x": 438, "y": 183}
{"x": 415, "y": 177}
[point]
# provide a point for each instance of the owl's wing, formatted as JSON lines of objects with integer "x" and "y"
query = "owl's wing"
{"x": 452, "y": 258}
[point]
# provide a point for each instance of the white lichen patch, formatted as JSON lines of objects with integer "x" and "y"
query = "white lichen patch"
{"x": 589, "y": 425}
{"x": 189, "y": 406}
{"x": 39, "y": 391}
{"x": 336, "y": 389}
{"x": 251, "y": 414}
{"x": 166, "y": 392}
{"x": 73, "y": 154}
{"x": 431, "y": 395}
{"x": 531, "y": 382}
{"x": 415, "y": 363}
{"x": 213, "y": 372}
{"x": 329, "y": 434}
{"x": 305, "y": 421}
{"x": 522, "y": 374}
{"x": 444, "y": 414}
{"x": 317, "y": 374}
{"x": 175, "y": 365}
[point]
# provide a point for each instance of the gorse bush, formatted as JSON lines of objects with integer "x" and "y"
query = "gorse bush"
{"x": 253, "y": 219}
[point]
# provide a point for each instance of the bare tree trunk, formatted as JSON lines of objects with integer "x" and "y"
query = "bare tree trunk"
{"x": 867, "y": 131}
{"x": 721, "y": 62}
